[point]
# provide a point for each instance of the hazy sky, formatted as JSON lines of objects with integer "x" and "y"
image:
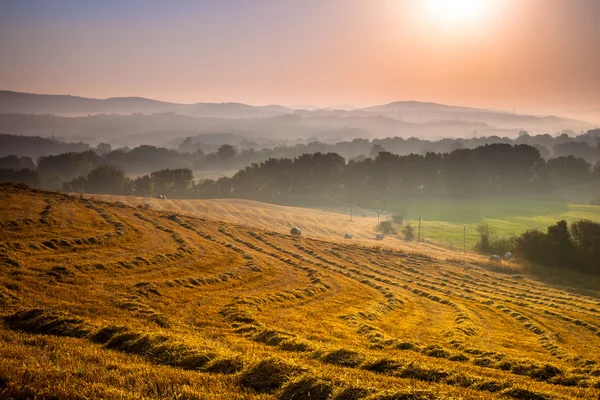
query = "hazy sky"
{"x": 536, "y": 55}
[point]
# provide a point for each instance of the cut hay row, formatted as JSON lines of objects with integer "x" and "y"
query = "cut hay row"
{"x": 254, "y": 314}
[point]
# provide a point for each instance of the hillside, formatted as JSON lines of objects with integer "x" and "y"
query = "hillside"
{"x": 416, "y": 111}
{"x": 101, "y": 300}
{"x": 65, "y": 105}
{"x": 107, "y": 119}
{"x": 325, "y": 225}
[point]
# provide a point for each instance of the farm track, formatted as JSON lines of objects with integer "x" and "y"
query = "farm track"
{"x": 211, "y": 305}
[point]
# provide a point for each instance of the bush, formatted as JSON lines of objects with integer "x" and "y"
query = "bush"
{"x": 486, "y": 234}
{"x": 409, "y": 232}
{"x": 502, "y": 245}
{"x": 586, "y": 237}
{"x": 531, "y": 245}
{"x": 387, "y": 228}
{"x": 577, "y": 248}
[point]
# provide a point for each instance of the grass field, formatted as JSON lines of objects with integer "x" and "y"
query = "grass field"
{"x": 443, "y": 221}
{"x": 100, "y": 300}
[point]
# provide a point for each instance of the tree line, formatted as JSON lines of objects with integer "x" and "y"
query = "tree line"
{"x": 490, "y": 170}
{"x": 585, "y": 146}
{"x": 220, "y": 152}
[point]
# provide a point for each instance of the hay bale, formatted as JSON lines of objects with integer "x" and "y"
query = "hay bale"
{"x": 296, "y": 231}
{"x": 348, "y": 236}
{"x": 379, "y": 236}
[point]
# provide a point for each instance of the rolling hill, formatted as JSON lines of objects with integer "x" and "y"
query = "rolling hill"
{"x": 329, "y": 225}
{"x": 413, "y": 112}
{"x": 106, "y": 300}
{"x": 65, "y": 105}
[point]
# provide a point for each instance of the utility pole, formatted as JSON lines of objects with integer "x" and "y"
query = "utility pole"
{"x": 419, "y": 231}
{"x": 465, "y": 238}
{"x": 378, "y": 218}
{"x": 351, "y": 205}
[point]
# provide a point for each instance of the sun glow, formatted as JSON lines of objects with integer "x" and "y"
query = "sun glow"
{"x": 458, "y": 13}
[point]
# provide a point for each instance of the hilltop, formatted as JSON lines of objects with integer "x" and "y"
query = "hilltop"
{"x": 66, "y": 105}
{"x": 106, "y": 300}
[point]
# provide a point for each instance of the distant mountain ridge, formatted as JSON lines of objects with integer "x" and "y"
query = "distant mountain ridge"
{"x": 70, "y": 106}
{"x": 25, "y": 113}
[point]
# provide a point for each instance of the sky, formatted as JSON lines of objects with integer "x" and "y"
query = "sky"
{"x": 540, "y": 56}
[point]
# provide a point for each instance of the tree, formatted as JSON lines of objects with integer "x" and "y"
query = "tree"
{"x": 560, "y": 245}
{"x": 143, "y": 186}
{"x": 226, "y": 154}
{"x": 577, "y": 248}
{"x": 25, "y": 176}
{"x": 104, "y": 179}
{"x": 64, "y": 167}
{"x": 375, "y": 150}
{"x": 486, "y": 234}
{"x": 17, "y": 163}
{"x": 567, "y": 170}
{"x": 596, "y": 170}
{"x": 577, "y": 149}
{"x": 586, "y": 236}
{"x": 172, "y": 182}
{"x": 103, "y": 148}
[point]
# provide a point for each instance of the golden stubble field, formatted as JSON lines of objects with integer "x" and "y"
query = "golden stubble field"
{"x": 330, "y": 226}
{"x": 100, "y": 300}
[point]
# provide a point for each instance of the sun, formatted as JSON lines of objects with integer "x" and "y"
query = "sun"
{"x": 457, "y": 12}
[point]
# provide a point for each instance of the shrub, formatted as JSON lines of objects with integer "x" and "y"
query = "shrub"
{"x": 409, "y": 232}
{"x": 577, "y": 248}
{"x": 586, "y": 236}
{"x": 387, "y": 228}
{"x": 531, "y": 246}
{"x": 486, "y": 234}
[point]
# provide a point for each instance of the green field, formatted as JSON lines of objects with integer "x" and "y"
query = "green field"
{"x": 442, "y": 221}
